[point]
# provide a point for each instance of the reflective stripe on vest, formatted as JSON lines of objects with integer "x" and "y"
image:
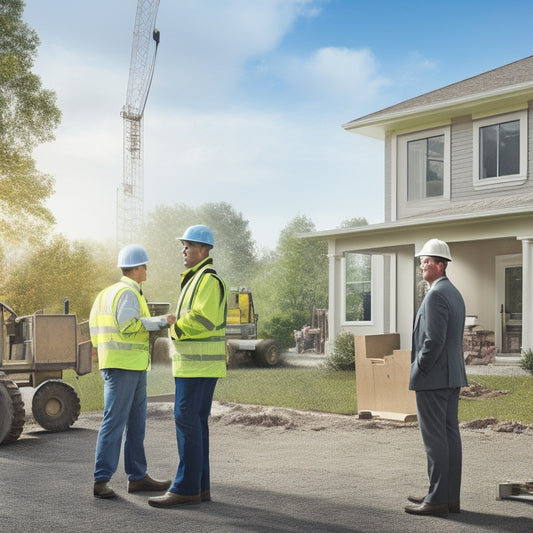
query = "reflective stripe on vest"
{"x": 203, "y": 355}
{"x": 117, "y": 349}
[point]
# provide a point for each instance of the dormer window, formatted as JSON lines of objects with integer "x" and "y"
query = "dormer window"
{"x": 500, "y": 150}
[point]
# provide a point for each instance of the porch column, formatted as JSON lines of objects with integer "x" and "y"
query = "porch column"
{"x": 527, "y": 292}
{"x": 335, "y": 295}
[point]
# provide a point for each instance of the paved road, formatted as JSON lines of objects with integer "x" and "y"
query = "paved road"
{"x": 273, "y": 470}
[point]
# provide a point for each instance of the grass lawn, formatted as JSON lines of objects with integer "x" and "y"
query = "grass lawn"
{"x": 318, "y": 390}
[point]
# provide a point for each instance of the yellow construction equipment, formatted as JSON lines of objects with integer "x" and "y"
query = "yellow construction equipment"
{"x": 241, "y": 333}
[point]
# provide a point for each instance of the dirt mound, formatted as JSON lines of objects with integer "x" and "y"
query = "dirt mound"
{"x": 505, "y": 426}
{"x": 285, "y": 418}
{"x": 477, "y": 391}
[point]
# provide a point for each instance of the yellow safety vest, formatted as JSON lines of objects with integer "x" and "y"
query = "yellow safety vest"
{"x": 128, "y": 348}
{"x": 199, "y": 333}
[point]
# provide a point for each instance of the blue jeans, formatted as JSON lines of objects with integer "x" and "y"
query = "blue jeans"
{"x": 192, "y": 407}
{"x": 124, "y": 407}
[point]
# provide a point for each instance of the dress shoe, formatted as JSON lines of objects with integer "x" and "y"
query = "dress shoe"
{"x": 102, "y": 490}
{"x": 453, "y": 507}
{"x": 427, "y": 509}
{"x": 205, "y": 495}
{"x": 171, "y": 498}
{"x": 148, "y": 484}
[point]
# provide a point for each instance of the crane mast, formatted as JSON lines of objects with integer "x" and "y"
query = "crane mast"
{"x": 130, "y": 195}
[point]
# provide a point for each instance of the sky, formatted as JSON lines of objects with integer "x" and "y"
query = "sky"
{"x": 248, "y": 100}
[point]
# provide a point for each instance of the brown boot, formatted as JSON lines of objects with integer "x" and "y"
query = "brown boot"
{"x": 102, "y": 490}
{"x": 171, "y": 499}
{"x": 147, "y": 484}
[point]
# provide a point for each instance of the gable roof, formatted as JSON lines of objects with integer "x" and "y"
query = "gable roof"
{"x": 512, "y": 83}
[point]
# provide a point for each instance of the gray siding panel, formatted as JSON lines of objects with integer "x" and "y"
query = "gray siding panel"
{"x": 462, "y": 190}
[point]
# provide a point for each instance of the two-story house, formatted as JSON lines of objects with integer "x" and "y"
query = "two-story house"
{"x": 458, "y": 167}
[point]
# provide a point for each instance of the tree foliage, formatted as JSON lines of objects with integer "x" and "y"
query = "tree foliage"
{"x": 292, "y": 280}
{"x": 55, "y": 271}
{"x": 233, "y": 254}
{"x": 28, "y": 117}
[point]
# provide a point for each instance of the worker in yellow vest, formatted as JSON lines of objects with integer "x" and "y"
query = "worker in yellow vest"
{"x": 120, "y": 323}
{"x": 200, "y": 359}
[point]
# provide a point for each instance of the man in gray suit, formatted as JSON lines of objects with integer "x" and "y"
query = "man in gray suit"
{"x": 437, "y": 374}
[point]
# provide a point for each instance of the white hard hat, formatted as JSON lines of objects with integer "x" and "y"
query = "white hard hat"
{"x": 435, "y": 248}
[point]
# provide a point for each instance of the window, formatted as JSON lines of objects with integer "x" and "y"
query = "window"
{"x": 499, "y": 147}
{"x": 500, "y": 150}
{"x": 358, "y": 287}
{"x": 425, "y": 167}
{"x": 423, "y": 171}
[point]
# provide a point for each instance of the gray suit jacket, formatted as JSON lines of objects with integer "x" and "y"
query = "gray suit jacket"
{"x": 437, "y": 350}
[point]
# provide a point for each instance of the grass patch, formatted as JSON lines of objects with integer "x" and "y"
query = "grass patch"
{"x": 299, "y": 388}
{"x": 517, "y": 405}
{"x": 317, "y": 389}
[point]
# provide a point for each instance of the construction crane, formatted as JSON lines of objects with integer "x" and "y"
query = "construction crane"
{"x": 130, "y": 195}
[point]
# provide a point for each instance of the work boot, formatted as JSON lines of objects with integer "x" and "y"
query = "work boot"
{"x": 147, "y": 484}
{"x": 170, "y": 499}
{"x": 205, "y": 495}
{"x": 102, "y": 490}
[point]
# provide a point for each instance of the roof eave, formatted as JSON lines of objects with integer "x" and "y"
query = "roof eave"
{"x": 378, "y": 124}
{"x": 425, "y": 222}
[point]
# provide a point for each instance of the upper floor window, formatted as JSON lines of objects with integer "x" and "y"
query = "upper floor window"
{"x": 500, "y": 150}
{"x": 425, "y": 167}
{"x": 423, "y": 171}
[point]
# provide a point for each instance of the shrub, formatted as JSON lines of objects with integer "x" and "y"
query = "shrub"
{"x": 343, "y": 357}
{"x": 281, "y": 326}
{"x": 526, "y": 362}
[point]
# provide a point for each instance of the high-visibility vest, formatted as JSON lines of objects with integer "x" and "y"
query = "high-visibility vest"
{"x": 200, "y": 328}
{"x": 127, "y": 349}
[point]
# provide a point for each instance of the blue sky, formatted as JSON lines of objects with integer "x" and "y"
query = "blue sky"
{"x": 249, "y": 97}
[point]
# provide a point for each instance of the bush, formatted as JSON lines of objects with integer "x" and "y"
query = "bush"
{"x": 281, "y": 326}
{"x": 526, "y": 362}
{"x": 343, "y": 357}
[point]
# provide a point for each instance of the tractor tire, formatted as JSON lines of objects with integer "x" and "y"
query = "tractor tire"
{"x": 55, "y": 405}
{"x": 12, "y": 414}
{"x": 267, "y": 354}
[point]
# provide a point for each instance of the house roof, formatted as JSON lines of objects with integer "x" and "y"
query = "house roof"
{"x": 512, "y": 82}
{"x": 485, "y": 205}
{"x": 467, "y": 217}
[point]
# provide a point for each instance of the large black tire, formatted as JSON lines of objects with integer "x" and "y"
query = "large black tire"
{"x": 12, "y": 414}
{"x": 55, "y": 405}
{"x": 267, "y": 353}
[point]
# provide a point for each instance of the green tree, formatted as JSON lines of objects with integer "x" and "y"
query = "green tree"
{"x": 28, "y": 117}
{"x": 55, "y": 271}
{"x": 291, "y": 281}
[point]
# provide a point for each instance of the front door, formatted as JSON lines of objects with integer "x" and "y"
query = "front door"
{"x": 509, "y": 304}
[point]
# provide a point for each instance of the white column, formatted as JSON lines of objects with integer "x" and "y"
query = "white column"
{"x": 335, "y": 295}
{"x": 527, "y": 292}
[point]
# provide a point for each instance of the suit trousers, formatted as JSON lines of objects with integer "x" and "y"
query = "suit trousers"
{"x": 439, "y": 426}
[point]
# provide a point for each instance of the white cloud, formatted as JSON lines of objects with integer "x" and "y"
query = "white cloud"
{"x": 345, "y": 75}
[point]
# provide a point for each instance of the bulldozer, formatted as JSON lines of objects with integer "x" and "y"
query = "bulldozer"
{"x": 241, "y": 333}
{"x": 34, "y": 351}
